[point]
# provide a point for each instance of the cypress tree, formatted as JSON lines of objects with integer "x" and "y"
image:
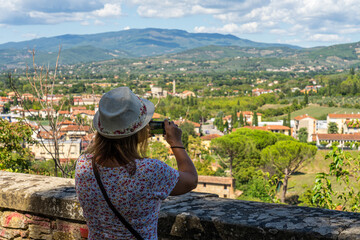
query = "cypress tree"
{"x": 289, "y": 120}
{"x": 255, "y": 119}
{"x": 241, "y": 120}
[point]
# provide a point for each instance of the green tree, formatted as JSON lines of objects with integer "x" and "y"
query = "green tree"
{"x": 352, "y": 71}
{"x": 255, "y": 123}
{"x": 233, "y": 147}
{"x": 306, "y": 98}
{"x": 234, "y": 120}
{"x": 14, "y": 155}
{"x": 289, "y": 119}
{"x": 203, "y": 166}
{"x": 157, "y": 150}
{"x": 287, "y": 157}
{"x": 241, "y": 120}
{"x": 187, "y": 130}
{"x": 303, "y": 135}
{"x": 342, "y": 168}
{"x": 333, "y": 128}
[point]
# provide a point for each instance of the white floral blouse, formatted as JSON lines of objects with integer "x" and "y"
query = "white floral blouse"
{"x": 137, "y": 197}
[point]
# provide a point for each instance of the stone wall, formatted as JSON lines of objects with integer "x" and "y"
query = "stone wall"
{"x": 40, "y": 207}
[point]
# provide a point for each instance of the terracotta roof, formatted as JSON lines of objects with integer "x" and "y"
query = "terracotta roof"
{"x": 268, "y": 127}
{"x": 67, "y": 122}
{"x": 88, "y": 137}
{"x": 339, "y": 137}
{"x": 216, "y": 180}
{"x": 246, "y": 113}
{"x": 276, "y": 127}
{"x": 255, "y": 127}
{"x": 78, "y": 108}
{"x": 209, "y": 137}
{"x": 76, "y": 128}
{"x": 179, "y": 122}
{"x": 157, "y": 115}
{"x": 298, "y": 118}
{"x": 88, "y": 112}
{"x": 49, "y": 135}
{"x": 64, "y": 112}
{"x": 350, "y": 116}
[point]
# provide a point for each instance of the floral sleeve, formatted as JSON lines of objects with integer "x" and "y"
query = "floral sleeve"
{"x": 164, "y": 178}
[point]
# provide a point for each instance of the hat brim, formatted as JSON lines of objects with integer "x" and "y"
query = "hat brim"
{"x": 150, "y": 109}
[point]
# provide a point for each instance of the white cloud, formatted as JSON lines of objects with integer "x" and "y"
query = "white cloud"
{"x": 326, "y": 38}
{"x": 309, "y": 19}
{"x": 127, "y": 28}
{"x": 109, "y": 10}
{"x": 98, "y": 22}
{"x": 24, "y": 12}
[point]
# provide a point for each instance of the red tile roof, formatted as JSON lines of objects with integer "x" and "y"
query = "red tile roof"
{"x": 216, "y": 180}
{"x": 246, "y": 113}
{"x": 209, "y": 137}
{"x": 49, "y": 135}
{"x": 179, "y": 122}
{"x": 157, "y": 115}
{"x": 350, "y": 116}
{"x": 276, "y": 127}
{"x": 298, "y": 118}
{"x": 75, "y": 128}
{"x": 339, "y": 137}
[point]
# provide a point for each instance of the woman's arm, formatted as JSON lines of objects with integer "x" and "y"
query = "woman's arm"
{"x": 188, "y": 177}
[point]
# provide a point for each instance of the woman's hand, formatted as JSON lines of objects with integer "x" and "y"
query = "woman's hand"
{"x": 173, "y": 133}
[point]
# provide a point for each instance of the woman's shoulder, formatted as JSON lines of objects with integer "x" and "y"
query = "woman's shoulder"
{"x": 84, "y": 158}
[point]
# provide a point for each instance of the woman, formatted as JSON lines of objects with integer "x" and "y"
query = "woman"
{"x": 136, "y": 185}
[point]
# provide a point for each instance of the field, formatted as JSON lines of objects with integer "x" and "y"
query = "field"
{"x": 305, "y": 177}
{"x": 318, "y": 112}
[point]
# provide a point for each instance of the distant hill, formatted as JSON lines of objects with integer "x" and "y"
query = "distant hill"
{"x": 157, "y": 44}
{"x": 132, "y": 43}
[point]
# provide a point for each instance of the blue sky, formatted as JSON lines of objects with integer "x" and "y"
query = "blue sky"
{"x": 305, "y": 23}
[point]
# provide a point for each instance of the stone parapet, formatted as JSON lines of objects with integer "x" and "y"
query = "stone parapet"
{"x": 40, "y": 207}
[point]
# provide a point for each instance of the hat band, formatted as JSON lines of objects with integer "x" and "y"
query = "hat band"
{"x": 132, "y": 128}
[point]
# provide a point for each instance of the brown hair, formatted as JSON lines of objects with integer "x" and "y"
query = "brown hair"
{"x": 123, "y": 151}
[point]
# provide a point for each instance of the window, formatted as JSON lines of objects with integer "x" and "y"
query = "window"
{"x": 225, "y": 187}
{"x": 204, "y": 184}
{"x": 225, "y": 196}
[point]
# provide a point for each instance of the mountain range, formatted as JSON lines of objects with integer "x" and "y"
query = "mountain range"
{"x": 153, "y": 42}
{"x": 133, "y": 43}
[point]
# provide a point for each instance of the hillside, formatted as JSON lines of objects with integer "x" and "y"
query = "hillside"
{"x": 172, "y": 50}
{"x": 134, "y": 43}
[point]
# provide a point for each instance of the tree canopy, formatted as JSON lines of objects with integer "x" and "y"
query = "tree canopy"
{"x": 14, "y": 155}
{"x": 287, "y": 157}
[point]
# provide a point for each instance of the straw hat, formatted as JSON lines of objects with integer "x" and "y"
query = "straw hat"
{"x": 122, "y": 113}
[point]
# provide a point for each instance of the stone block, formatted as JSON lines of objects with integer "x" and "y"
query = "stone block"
{"x": 63, "y": 236}
{"x": 70, "y": 228}
{"x": 13, "y": 220}
{"x": 39, "y": 232}
{"x": 6, "y": 233}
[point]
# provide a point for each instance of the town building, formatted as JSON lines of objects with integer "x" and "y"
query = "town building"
{"x": 273, "y": 128}
{"x": 342, "y": 119}
{"x": 305, "y": 121}
{"x": 68, "y": 149}
{"x": 339, "y": 138}
{"x": 223, "y": 186}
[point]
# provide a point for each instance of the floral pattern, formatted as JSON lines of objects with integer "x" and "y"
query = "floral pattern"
{"x": 137, "y": 197}
{"x": 133, "y": 126}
